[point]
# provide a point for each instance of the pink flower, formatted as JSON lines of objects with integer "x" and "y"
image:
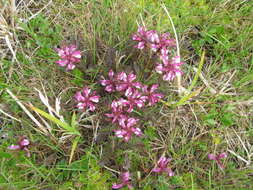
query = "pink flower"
{"x": 86, "y": 99}
{"x": 160, "y": 43}
{"x": 140, "y": 37}
{"x": 162, "y": 166}
{"x": 126, "y": 82}
{"x": 117, "y": 110}
{"x": 163, "y": 43}
{"x": 125, "y": 181}
{"x": 22, "y": 144}
{"x": 151, "y": 38}
{"x": 127, "y": 129}
{"x": 218, "y": 158}
{"x": 150, "y": 94}
{"x": 68, "y": 56}
{"x": 134, "y": 99}
{"x": 166, "y": 41}
{"x": 110, "y": 84}
{"x": 164, "y": 55}
{"x": 170, "y": 69}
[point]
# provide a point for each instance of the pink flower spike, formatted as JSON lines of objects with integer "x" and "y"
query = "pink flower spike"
{"x": 218, "y": 158}
{"x": 153, "y": 40}
{"x": 127, "y": 129}
{"x": 86, "y": 99}
{"x": 162, "y": 166}
{"x": 117, "y": 110}
{"x": 164, "y": 54}
{"x": 135, "y": 99}
{"x": 110, "y": 84}
{"x": 126, "y": 82}
{"x": 22, "y": 144}
{"x": 68, "y": 56}
{"x": 125, "y": 181}
{"x": 150, "y": 94}
{"x": 166, "y": 41}
{"x": 170, "y": 69}
{"x": 152, "y": 36}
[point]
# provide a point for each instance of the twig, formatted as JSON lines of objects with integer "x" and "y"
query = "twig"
{"x": 8, "y": 115}
{"x": 8, "y": 42}
{"x": 112, "y": 170}
{"x": 239, "y": 157}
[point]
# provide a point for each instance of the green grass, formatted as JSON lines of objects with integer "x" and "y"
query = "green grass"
{"x": 204, "y": 122}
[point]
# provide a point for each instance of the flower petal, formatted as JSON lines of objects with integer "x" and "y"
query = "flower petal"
{"x": 77, "y": 54}
{"x": 95, "y": 99}
{"x": 70, "y": 66}
{"x": 212, "y": 157}
{"x": 117, "y": 186}
{"x": 154, "y": 87}
{"x": 62, "y": 62}
{"x": 222, "y": 155}
{"x": 111, "y": 74}
{"x": 24, "y": 142}
{"x": 156, "y": 170}
{"x": 14, "y": 147}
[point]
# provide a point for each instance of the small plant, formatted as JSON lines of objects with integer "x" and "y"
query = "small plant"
{"x": 218, "y": 158}
{"x": 130, "y": 94}
{"x": 135, "y": 96}
{"x": 162, "y": 166}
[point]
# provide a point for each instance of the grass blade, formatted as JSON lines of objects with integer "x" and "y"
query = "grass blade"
{"x": 65, "y": 126}
{"x": 74, "y": 146}
{"x": 194, "y": 81}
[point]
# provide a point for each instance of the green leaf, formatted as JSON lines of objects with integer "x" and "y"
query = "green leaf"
{"x": 195, "y": 79}
{"x": 4, "y": 155}
{"x": 73, "y": 120}
{"x": 79, "y": 77}
{"x": 227, "y": 119}
{"x": 64, "y": 125}
{"x": 74, "y": 145}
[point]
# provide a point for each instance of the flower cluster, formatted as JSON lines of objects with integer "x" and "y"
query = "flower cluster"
{"x": 120, "y": 82}
{"x": 160, "y": 44}
{"x": 218, "y": 158}
{"x": 152, "y": 39}
{"x": 86, "y": 99}
{"x": 22, "y": 144}
{"x": 136, "y": 96}
{"x": 68, "y": 56}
